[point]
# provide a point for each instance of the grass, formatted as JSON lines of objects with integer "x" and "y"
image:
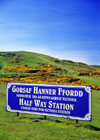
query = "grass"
{"x": 34, "y": 127}
{"x": 34, "y": 59}
{"x": 31, "y": 127}
{"x": 90, "y": 79}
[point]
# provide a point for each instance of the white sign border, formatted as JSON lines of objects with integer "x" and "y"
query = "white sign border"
{"x": 88, "y": 116}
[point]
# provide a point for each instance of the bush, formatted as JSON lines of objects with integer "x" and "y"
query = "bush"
{"x": 56, "y": 60}
{"x": 45, "y": 75}
{"x": 0, "y": 67}
{"x": 15, "y": 61}
{"x": 89, "y": 73}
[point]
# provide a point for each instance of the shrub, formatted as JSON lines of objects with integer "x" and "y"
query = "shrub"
{"x": 0, "y": 67}
{"x": 56, "y": 60}
{"x": 45, "y": 75}
{"x": 89, "y": 73}
{"x": 15, "y": 61}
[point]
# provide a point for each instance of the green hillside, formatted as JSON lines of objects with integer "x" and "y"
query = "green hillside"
{"x": 34, "y": 59}
{"x": 23, "y": 63}
{"x": 24, "y": 58}
{"x": 32, "y": 66}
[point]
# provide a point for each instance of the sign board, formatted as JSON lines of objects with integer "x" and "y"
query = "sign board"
{"x": 66, "y": 101}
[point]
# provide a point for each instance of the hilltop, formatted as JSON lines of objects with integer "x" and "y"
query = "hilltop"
{"x": 34, "y": 59}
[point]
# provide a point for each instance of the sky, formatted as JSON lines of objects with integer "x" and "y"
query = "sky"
{"x": 65, "y": 29}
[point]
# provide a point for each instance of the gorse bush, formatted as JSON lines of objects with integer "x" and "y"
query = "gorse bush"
{"x": 46, "y": 74}
{"x": 89, "y": 73}
{"x": 26, "y": 69}
{"x": 15, "y": 60}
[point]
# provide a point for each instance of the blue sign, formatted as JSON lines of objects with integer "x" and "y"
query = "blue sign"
{"x": 66, "y": 101}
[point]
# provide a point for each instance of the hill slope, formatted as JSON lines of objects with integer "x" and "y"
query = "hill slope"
{"x": 38, "y": 68}
{"x": 34, "y": 59}
{"x": 35, "y": 127}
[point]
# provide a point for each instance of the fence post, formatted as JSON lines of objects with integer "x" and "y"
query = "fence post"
{"x": 76, "y": 121}
{"x": 17, "y": 114}
{"x": 45, "y": 117}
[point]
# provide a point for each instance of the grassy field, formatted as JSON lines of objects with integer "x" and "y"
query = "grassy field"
{"x": 34, "y": 127}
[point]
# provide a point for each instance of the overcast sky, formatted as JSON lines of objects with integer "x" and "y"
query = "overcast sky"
{"x": 65, "y": 29}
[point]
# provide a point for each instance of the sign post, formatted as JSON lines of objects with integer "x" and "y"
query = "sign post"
{"x": 66, "y": 101}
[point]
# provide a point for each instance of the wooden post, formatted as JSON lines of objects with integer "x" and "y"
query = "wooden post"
{"x": 17, "y": 114}
{"x": 76, "y": 121}
{"x": 45, "y": 117}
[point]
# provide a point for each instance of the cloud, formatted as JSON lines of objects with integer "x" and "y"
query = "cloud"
{"x": 77, "y": 56}
{"x": 89, "y": 57}
{"x": 38, "y": 49}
